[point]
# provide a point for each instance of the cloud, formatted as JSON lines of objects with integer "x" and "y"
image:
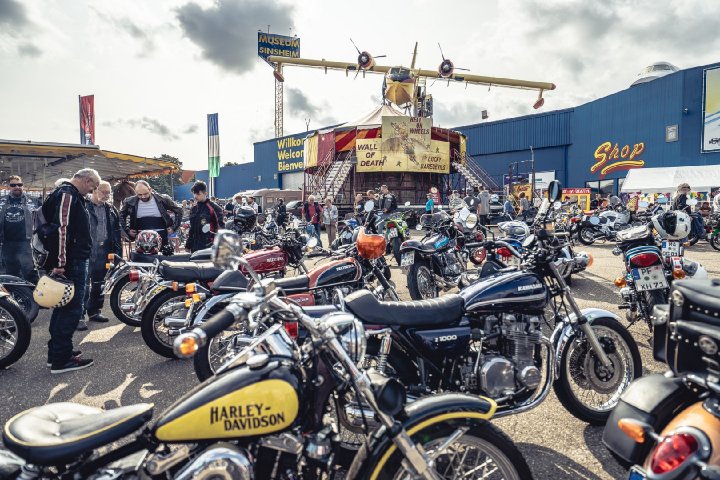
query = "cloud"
{"x": 298, "y": 104}
{"x": 226, "y": 32}
{"x": 456, "y": 114}
{"x": 29, "y": 50}
{"x": 145, "y": 123}
{"x": 144, "y": 35}
{"x": 13, "y": 17}
{"x": 190, "y": 129}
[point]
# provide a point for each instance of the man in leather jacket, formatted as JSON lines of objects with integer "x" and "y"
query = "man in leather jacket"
{"x": 206, "y": 218}
{"x": 149, "y": 210}
{"x": 16, "y": 229}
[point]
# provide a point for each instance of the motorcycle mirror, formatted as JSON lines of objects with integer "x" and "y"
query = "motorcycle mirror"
{"x": 554, "y": 190}
{"x": 557, "y": 205}
{"x": 206, "y": 228}
{"x": 407, "y": 204}
{"x": 368, "y": 207}
{"x": 227, "y": 249}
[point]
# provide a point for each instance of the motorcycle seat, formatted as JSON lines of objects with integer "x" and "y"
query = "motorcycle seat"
{"x": 203, "y": 254}
{"x": 301, "y": 283}
{"x": 445, "y": 310}
{"x": 58, "y": 433}
{"x": 147, "y": 258}
{"x": 189, "y": 271}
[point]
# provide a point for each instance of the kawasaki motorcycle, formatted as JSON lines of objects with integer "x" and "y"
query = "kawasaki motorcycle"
{"x": 264, "y": 416}
{"x": 489, "y": 339}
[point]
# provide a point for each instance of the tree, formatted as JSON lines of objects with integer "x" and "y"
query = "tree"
{"x": 161, "y": 183}
{"x": 230, "y": 164}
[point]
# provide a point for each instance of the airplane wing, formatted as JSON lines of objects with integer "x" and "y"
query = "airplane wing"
{"x": 483, "y": 80}
{"x": 308, "y": 62}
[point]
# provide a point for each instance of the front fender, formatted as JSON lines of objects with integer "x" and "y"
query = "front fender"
{"x": 454, "y": 408}
{"x": 199, "y": 318}
{"x": 116, "y": 275}
{"x": 564, "y": 331}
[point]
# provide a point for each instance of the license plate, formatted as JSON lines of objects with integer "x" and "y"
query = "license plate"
{"x": 636, "y": 473}
{"x": 407, "y": 259}
{"x": 671, "y": 249}
{"x": 650, "y": 278}
{"x": 392, "y": 233}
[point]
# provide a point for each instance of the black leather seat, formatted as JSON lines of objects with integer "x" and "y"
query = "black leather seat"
{"x": 445, "y": 310}
{"x": 300, "y": 283}
{"x": 231, "y": 281}
{"x": 203, "y": 254}
{"x": 145, "y": 258}
{"x": 189, "y": 271}
{"x": 58, "y": 433}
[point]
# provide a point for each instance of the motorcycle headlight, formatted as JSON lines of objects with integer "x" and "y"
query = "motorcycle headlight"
{"x": 351, "y": 334}
{"x": 471, "y": 221}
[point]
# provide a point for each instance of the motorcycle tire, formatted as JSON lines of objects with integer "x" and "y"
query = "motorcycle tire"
{"x": 204, "y": 365}
{"x": 484, "y": 438}
{"x": 715, "y": 241}
{"x": 563, "y": 388}
{"x": 421, "y": 267}
{"x": 115, "y": 303}
{"x": 396, "y": 249}
{"x": 585, "y": 240}
{"x": 149, "y": 324}
{"x": 692, "y": 239}
{"x": 16, "y": 330}
{"x": 23, "y": 296}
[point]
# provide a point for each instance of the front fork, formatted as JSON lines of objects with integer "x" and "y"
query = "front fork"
{"x": 582, "y": 321}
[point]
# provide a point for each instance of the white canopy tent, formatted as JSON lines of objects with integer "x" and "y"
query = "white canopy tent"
{"x": 663, "y": 180}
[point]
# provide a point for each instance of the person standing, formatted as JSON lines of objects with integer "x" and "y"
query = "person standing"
{"x": 483, "y": 206}
{"x": 105, "y": 225}
{"x": 471, "y": 200}
{"x": 680, "y": 203}
{"x": 508, "y": 208}
{"x": 281, "y": 213}
{"x": 206, "y": 218}
{"x": 148, "y": 210}
{"x": 330, "y": 219}
{"x": 65, "y": 207}
{"x": 251, "y": 203}
{"x": 312, "y": 212}
{"x": 16, "y": 229}
{"x": 429, "y": 204}
{"x": 372, "y": 198}
{"x": 388, "y": 202}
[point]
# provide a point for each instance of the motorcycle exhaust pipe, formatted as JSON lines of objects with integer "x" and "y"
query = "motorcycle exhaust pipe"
{"x": 171, "y": 322}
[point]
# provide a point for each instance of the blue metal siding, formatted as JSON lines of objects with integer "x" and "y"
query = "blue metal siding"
{"x": 546, "y": 159}
{"x": 234, "y": 179}
{"x": 551, "y": 129}
{"x": 692, "y": 122}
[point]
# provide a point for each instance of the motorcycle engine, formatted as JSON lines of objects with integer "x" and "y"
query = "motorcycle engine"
{"x": 510, "y": 366}
{"x": 451, "y": 264}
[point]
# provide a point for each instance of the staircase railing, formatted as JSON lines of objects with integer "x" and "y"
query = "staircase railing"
{"x": 316, "y": 180}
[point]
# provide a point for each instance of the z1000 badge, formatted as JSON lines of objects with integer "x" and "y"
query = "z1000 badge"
{"x": 264, "y": 407}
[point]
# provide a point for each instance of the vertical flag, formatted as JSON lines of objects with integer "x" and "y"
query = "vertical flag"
{"x": 213, "y": 146}
{"x": 87, "y": 119}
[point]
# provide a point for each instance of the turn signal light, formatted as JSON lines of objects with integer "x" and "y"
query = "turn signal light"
{"x": 590, "y": 260}
{"x": 111, "y": 257}
{"x": 686, "y": 244}
{"x": 678, "y": 273}
{"x": 196, "y": 298}
{"x": 190, "y": 288}
{"x": 620, "y": 282}
{"x": 134, "y": 276}
{"x": 188, "y": 302}
{"x": 107, "y": 266}
{"x": 186, "y": 346}
{"x": 633, "y": 429}
{"x": 175, "y": 286}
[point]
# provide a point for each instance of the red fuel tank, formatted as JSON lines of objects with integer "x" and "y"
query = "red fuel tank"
{"x": 303, "y": 299}
{"x": 345, "y": 270}
{"x": 266, "y": 261}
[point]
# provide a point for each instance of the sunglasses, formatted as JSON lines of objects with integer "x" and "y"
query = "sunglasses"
{"x": 16, "y": 184}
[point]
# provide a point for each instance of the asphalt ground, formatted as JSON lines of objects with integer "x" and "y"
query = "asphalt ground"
{"x": 126, "y": 371}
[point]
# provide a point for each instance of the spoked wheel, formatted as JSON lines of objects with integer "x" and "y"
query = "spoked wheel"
{"x": 585, "y": 387}
{"x": 15, "y": 332}
{"x": 219, "y": 350}
{"x": 586, "y": 237}
{"x": 421, "y": 281}
{"x": 692, "y": 239}
{"x": 156, "y": 327}
{"x": 715, "y": 241}
{"x": 123, "y": 301}
{"x": 23, "y": 295}
{"x": 479, "y": 452}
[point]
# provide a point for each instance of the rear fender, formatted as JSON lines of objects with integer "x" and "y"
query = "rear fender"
{"x": 412, "y": 246}
{"x": 115, "y": 276}
{"x": 13, "y": 280}
{"x": 454, "y": 409}
{"x": 564, "y": 331}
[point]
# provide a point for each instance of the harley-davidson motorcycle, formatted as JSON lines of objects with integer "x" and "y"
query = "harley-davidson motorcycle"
{"x": 264, "y": 415}
{"x": 488, "y": 339}
{"x": 15, "y": 329}
{"x": 668, "y": 425}
{"x": 605, "y": 225}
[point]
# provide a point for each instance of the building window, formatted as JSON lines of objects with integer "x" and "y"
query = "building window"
{"x": 603, "y": 187}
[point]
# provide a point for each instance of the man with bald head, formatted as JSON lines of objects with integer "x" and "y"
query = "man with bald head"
{"x": 149, "y": 210}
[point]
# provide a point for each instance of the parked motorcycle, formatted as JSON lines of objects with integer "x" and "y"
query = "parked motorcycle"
{"x": 668, "y": 425}
{"x": 713, "y": 225}
{"x": 604, "y": 225}
{"x": 22, "y": 292}
{"x": 346, "y": 229}
{"x": 396, "y": 231}
{"x": 15, "y": 329}
{"x": 652, "y": 264}
{"x": 488, "y": 340}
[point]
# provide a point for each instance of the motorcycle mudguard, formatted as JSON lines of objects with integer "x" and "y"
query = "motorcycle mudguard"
{"x": 199, "y": 317}
{"x": 120, "y": 272}
{"x": 13, "y": 280}
{"x": 10, "y": 464}
{"x": 412, "y": 245}
{"x": 654, "y": 400}
{"x": 457, "y": 409}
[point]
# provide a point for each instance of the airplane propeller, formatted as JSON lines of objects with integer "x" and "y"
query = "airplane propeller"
{"x": 365, "y": 61}
{"x": 447, "y": 67}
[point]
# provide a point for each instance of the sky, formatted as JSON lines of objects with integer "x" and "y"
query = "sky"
{"x": 158, "y": 67}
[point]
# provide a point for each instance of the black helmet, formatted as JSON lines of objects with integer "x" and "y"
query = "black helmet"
{"x": 245, "y": 217}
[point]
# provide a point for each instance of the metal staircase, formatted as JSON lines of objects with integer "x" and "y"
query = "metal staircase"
{"x": 328, "y": 180}
{"x": 474, "y": 173}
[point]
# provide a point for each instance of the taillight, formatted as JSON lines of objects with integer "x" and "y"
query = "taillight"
{"x": 672, "y": 451}
{"x": 575, "y": 220}
{"x": 391, "y": 225}
{"x": 643, "y": 259}
{"x": 134, "y": 276}
{"x": 292, "y": 329}
{"x": 504, "y": 252}
{"x": 479, "y": 236}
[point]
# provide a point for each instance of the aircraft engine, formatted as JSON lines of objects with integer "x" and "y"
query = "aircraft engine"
{"x": 446, "y": 68}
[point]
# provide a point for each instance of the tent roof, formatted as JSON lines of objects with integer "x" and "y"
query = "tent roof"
{"x": 653, "y": 180}
{"x": 375, "y": 116}
{"x": 29, "y": 159}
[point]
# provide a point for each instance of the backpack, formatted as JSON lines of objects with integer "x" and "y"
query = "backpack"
{"x": 46, "y": 238}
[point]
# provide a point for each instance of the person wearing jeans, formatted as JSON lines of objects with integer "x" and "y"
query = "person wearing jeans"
{"x": 330, "y": 219}
{"x": 312, "y": 213}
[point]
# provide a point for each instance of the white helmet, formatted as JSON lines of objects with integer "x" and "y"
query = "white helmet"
{"x": 53, "y": 291}
{"x": 673, "y": 225}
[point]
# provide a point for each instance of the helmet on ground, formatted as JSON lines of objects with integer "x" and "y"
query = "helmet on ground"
{"x": 148, "y": 242}
{"x": 245, "y": 217}
{"x": 53, "y": 291}
{"x": 674, "y": 225}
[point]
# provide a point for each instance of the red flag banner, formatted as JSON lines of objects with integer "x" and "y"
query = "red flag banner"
{"x": 87, "y": 120}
